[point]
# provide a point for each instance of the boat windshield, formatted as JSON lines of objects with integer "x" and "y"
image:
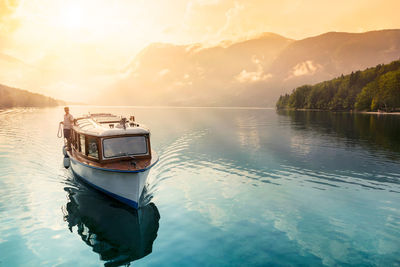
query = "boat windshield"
{"x": 124, "y": 146}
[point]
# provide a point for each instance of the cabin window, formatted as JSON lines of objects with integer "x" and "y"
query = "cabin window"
{"x": 125, "y": 146}
{"x": 82, "y": 144}
{"x": 92, "y": 147}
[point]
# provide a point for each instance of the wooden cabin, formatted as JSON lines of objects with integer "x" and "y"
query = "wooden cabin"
{"x": 113, "y": 142}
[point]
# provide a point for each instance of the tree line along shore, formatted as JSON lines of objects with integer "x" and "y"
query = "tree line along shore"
{"x": 373, "y": 89}
{"x": 13, "y": 97}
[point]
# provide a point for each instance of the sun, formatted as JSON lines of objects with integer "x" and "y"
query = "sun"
{"x": 71, "y": 17}
{"x": 76, "y": 17}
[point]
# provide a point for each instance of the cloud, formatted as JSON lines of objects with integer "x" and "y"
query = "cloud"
{"x": 211, "y": 21}
{"x": 163, "y": 72}
{"x": 249, "y": 77}
{"x": 7, "y": 8}
{"x": 8, "y": 22}
{"x": 205, "y": 2}
{"x": 231, "y": 18}
{"x": 253, "y": 76}
{"x": 305, "y": 68}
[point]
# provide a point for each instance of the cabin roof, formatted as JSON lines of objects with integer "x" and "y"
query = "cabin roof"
{"x": 105, "y": 124}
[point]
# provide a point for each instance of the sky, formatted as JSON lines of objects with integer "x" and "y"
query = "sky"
{"x": 63, "y": 48}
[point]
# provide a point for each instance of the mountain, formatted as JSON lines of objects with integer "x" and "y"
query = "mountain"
{"x": 328, "y": 55}
{"x": 13, "y": 97}
{"x": 248, "y": 73}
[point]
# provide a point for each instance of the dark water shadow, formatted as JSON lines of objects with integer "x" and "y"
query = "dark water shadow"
{"x": 371, "y": 131}
{"x": 117, "y": 232}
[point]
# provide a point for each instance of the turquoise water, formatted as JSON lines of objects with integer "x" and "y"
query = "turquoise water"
{"x": 234, "y": 187}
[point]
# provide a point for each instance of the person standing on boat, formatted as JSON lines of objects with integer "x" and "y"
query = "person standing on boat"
{"x": 68, "y": 122}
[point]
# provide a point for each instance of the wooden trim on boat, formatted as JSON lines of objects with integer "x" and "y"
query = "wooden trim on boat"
{"x": 100, "y": 148}
{"x": 119, "y": 165}
{"x": 148, "y": 145}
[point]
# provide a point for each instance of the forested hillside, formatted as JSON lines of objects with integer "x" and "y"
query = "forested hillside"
{"x": 13, "y": 97}
{"x": 373, "y": 89}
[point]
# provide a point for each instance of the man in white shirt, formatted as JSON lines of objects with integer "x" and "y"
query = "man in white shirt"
{"x": 68, "y": 122}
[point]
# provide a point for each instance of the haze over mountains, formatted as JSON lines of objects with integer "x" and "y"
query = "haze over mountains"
{"x": 14, "y": 97}
{"x": 249, "y": 73}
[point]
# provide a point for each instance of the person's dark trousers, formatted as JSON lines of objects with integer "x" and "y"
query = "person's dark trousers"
{"x": 67, "y": 135}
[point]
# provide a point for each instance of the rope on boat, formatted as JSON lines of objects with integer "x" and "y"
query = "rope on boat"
{"x": 60, "y": 131}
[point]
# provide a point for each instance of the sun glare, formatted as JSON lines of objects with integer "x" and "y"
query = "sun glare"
{"x": 71, "y": 17}
{"x": 76, "y": 17}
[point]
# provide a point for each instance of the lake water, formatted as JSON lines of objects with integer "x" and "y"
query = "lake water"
{"x": 233, "y": 187}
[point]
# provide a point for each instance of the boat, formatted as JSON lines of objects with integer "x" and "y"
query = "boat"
{"x": 112, "y": 154}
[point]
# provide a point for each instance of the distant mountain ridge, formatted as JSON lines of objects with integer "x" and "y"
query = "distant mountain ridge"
{"x": 13, "y": 97}
{"x": 248, "y": 73}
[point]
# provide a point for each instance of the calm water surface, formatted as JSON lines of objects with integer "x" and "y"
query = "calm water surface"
{"x": 234, "y": 187}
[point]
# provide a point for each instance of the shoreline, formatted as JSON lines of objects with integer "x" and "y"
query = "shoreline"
{"x": 379, "y": 113}
{"x": 344, "y": 111}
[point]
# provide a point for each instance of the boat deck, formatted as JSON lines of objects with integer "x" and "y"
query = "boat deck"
{"x": 108, "y": 125}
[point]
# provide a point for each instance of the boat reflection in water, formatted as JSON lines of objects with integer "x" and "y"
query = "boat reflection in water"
{"x": 117, "y": 232}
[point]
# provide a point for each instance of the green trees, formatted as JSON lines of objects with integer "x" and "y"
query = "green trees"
{"x": 387, "y": 93}
{"x": 282, "y": 102}
{"x": 298, "y": 98}
{"x": 372, "y": 89}
{"x": 364, "y": 99}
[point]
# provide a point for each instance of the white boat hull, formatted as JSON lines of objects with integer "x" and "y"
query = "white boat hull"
{"x": 126, "y": 187}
